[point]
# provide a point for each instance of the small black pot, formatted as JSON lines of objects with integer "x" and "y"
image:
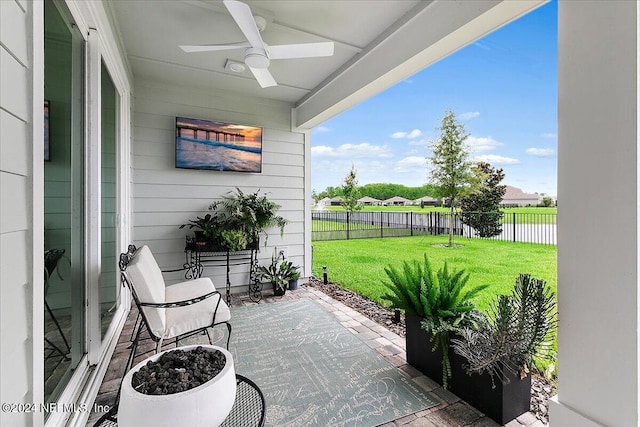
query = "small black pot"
{"x": 279, "y": 291}
{"x": 293, "y": 285}
{"x": 502, "y": 403}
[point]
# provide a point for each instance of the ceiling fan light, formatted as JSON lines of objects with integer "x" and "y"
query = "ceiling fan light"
{"x": 235, "y": 67}
{"x": 256, "y": 60}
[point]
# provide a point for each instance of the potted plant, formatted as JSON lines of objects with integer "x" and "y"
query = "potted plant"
{"x": 235, "y": 222}
{"x": 207, "y": 228}
{"x": 251, "y": 212}
{"x": 192, "y": 386}
{"x": 498, "y": 351}
{"x": 293, "y": 275}
{"x": 435, "y": 306}
{"x": 279, "y": 273}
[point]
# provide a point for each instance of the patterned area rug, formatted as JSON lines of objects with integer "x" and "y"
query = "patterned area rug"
{"x": 314, "y": 372}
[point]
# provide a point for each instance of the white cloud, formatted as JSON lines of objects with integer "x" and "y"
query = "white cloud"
{"x": 410, "y": 164}
{"x": 469, "y": 115}
{"x": 361, "y": 150}
{"x": 321, "y": 129}
{"x": 495, "y": 159}
{"x": 541, "y": 152}
{"x": 416, "y": 133}
{"x": 476, "y": 144}
{"x": 550, "y": 135}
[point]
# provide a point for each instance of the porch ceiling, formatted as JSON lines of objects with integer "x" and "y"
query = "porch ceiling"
{"x": 377, "y": 43}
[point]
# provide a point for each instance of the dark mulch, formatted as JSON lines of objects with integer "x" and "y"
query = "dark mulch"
{"x": 541, "y": 388}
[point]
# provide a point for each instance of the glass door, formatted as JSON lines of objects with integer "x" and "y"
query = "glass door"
{"x": 108, "y": 292}
{"x": 64, "y": 314}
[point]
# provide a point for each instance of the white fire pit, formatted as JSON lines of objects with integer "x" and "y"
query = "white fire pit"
{"x": 206, "y": 405}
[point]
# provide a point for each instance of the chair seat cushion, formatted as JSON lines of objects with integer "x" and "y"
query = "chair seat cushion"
{"x": 196, "y": 316}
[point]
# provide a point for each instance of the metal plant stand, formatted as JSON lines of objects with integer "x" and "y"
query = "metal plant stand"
{"x": 197, "y": 257}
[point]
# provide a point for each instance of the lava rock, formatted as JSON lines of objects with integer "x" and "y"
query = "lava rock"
{"x": 177, "y": 371}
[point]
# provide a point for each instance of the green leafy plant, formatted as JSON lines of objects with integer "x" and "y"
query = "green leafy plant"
{"x": 234, "y": 240}
{"x": 443, "y": 301}
{"x": 209, "y": 225}
{"x": 279, "y": 272}
{"x": 250, "y": 212}
{"x": 520, "y": 327}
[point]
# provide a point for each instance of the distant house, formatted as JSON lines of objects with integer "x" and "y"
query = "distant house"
{"x": 335, "y": 201}
{"x": 426, "y": 201}
{"x": 516, "y": 197}
{"x": 369, "y": 201}
{"x": 397, "y": 201}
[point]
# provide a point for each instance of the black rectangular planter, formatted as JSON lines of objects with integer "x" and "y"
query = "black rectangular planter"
{"x": 502, "y": 403}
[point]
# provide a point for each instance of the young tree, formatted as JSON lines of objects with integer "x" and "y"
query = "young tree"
{"x": 451, "y": 170}
{"x": 481, "y": 209}
{"x": 350, "y": 191}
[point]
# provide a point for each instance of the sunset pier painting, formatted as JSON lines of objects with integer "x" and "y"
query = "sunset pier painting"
{"x": 203, "y": 144}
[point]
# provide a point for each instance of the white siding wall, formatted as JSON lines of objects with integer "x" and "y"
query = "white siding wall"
{"x": 165, "y": 197}
{"x": 16, "y": 277}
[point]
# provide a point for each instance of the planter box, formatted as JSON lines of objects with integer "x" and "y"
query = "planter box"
{"x": 502, "y": 403}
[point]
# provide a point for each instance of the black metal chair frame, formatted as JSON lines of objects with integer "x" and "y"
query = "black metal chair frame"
{"x": 51, "y": 259}
{"x": 125, "y": 258}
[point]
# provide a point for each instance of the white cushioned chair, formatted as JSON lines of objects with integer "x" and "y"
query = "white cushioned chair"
{"x": 174, "y": 311}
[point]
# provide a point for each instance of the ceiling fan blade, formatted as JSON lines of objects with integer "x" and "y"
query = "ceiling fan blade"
{"x": 264, "y": 77}
{"x": 213, "y": 47}
{"x": 304, "y": 50}
{"x": 241, "y": 13}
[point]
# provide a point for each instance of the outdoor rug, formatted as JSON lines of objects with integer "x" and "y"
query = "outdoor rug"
{"x": 314, "y": 372}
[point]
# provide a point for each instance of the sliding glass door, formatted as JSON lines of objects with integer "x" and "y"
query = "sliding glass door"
{"x": 64, "y": 316}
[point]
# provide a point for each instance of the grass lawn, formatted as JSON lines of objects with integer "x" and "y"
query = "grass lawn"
{"x": 358, "y": 265}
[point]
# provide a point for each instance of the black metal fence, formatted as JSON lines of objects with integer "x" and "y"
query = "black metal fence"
{"x": 341, "y": 225}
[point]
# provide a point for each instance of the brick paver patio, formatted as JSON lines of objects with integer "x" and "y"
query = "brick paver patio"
{"x": 451, "y": 412}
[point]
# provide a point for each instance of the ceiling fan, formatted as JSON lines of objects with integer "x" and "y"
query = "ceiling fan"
{"x": 257, "y": 54}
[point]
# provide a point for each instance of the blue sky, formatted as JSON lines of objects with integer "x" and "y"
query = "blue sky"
{"x": 503, "y": 88}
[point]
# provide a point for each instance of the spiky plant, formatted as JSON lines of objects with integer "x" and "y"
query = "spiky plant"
{"x": 443, "y": 301}
{"x": 518, "y": 328}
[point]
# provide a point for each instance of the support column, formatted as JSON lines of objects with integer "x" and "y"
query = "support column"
{"x": 598, "y": 214}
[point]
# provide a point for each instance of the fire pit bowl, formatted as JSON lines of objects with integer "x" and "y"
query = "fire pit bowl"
{"x": 207, "y": 404}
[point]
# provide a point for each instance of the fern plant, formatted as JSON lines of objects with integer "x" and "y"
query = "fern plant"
{"x": 443, "y": 301}
{"x": 518, "y": 328}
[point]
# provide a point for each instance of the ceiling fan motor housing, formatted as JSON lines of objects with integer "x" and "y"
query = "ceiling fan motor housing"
{"x": 256, "y": 58}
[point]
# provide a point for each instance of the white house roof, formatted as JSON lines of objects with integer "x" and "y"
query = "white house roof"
{"x": 514, "y": 193}
{"x": 377, "y": 44}
{"x": 425, "y": 199}
{"x": 367, "y": 199}
{"x": 397, "y": 199}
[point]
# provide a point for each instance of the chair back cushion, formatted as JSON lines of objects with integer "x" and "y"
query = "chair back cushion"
{"x": 147, "y": 281}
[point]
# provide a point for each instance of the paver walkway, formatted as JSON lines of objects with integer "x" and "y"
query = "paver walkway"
{"x": 451, "y": 412}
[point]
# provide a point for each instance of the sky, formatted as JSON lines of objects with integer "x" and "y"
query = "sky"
{"x": 502, "y": 88}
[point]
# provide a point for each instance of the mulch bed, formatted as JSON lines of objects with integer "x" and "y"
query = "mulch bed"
{"x": 541, "y": 388}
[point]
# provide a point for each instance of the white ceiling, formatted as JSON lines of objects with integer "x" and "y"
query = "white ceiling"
{"x": 377, "y": 44}
{"x": 152, "y": 31}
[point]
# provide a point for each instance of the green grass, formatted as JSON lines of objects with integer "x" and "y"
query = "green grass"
{"x": 358, "y": 265}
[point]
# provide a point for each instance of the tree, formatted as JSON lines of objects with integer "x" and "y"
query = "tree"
{"x": 547, "y": 202}
{"x": 481, "y": 209}
{"x": 350, "y": 191}
{"x": 451, "y": 170}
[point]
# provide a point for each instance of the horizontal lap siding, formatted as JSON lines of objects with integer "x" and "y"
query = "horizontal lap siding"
{"x": 165, "y": 197}
{"x": 16, "y": 364}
